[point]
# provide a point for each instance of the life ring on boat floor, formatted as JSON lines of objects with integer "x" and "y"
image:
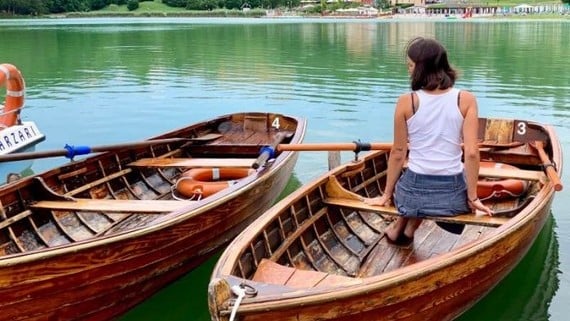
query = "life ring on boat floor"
{"x": 14, "y": 102}
{"x": 203, "y": 182}
{"x": 500, "y": 188}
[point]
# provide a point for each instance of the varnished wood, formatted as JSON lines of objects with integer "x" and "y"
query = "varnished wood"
{"x": 273, "y": 273}
{"x": 193, "y": 162}
{"x": 549, "y": 166}
{"x": 325, "y": 229}
{"x": 339, "y": 196}
{"x": 92, "y": 238}
{"x": 528, "y": 175}
{"x": 499, "y": 130}
{"x": 468, "y": 218}
{"x": 110, "y": 205}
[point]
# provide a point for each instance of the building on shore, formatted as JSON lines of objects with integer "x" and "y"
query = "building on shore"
{"x": 467, "y": 9}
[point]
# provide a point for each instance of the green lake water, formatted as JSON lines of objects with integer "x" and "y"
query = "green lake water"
{"x": 103, "y": 81}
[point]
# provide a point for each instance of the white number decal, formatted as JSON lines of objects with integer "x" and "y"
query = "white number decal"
{"x": 275, "y": 123}
{"x": 521, "y": 128}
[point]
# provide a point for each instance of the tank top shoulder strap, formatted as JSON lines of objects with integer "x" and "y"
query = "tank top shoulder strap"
{"x": 414, "y": 106}
{"x": 459, "y": 98}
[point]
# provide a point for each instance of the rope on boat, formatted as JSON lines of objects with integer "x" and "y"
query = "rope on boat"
{"x": 241, "y": 291}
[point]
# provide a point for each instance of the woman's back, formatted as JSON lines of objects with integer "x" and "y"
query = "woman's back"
{"x": 435, "y": 134}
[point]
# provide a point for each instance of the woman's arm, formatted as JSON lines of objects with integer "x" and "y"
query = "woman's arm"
{"x": 399, "y": 150}
{"x": 471, "y": 149}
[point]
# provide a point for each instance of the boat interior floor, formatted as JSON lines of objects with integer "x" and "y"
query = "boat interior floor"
{"x": 429, "y": 241}
{"x": 351, "y": 244}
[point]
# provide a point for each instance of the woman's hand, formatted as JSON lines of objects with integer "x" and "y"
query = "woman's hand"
{"x": 383, "y": 200}
{"x": 477, "y": 205}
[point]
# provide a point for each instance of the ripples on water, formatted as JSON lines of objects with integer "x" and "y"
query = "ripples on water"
{"x": 101, "y": 81}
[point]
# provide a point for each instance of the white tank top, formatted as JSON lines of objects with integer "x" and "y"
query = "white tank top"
{"x": 435, "y": 134}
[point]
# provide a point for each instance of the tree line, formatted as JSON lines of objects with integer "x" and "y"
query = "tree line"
{"x": 42, "y": 7}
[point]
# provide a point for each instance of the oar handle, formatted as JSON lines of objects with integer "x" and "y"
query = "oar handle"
{"x": 548, "y": 166}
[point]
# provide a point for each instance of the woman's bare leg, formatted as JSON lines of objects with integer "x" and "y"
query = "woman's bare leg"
{"x": 411, "y": 227}
{"x": 396, "y": 228}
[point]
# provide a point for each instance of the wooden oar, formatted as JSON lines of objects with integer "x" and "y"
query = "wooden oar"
{"x": 548, "y": 165}
{"x": 316, "y": 147}
{"x": 72, "y": 151}
{"x": 361, "y": 146}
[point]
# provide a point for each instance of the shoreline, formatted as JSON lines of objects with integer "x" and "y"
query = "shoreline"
{"x": 238, "y": 14}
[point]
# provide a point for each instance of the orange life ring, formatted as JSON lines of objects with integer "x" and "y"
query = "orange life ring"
{"x": 500, "y": 188}
{"x": 11, "y": 76}
{"x": 203, "y": 182}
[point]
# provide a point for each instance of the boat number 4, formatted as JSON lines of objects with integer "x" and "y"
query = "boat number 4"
{"x": 521, "y": 130}
{"x": 275, "y": 123}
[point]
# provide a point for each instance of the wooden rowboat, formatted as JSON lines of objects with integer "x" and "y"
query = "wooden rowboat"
{"x": 320, "y": 253}
{"x": 90, "y": 239}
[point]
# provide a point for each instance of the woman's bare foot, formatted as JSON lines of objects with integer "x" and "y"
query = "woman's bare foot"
{"x": 396, "y": 229}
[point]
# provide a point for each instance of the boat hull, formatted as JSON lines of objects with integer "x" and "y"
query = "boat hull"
{"x": 104, "y": 275}
{"x": 443, "y": 294}
{"x": 320, "y": 254}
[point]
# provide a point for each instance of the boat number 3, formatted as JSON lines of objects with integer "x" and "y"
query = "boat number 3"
{"x": 275, "y": 123}
{"x": 521, "y": 130}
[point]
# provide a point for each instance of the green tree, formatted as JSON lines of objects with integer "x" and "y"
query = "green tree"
{"x": 98, "y": 4}
{"x": 175, "y": 3}
{"x": 132, "y": 5}
{"x": 23, "y": 7}
{"x": 201, "y": 4}
{"x": 58, "y": 6}
{"x": 233, "y": 4}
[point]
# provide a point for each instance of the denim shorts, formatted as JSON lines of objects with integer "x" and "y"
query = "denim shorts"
{"x": 419, "y": 195}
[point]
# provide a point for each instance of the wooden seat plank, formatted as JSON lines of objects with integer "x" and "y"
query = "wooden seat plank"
{"x": 492, "y": 172}
{"x": 112, "y": 205}
{"x": 390, "y": 210}
{"x": 193, "y": 162}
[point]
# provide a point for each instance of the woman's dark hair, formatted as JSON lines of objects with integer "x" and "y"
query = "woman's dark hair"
{"x": 432, "y": 69}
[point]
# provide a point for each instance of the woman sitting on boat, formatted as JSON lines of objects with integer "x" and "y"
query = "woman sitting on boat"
{"x": 435, "y": 120}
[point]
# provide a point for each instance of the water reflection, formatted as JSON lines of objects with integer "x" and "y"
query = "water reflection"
{"x": 343, "y": 64}
{"x": 104, "y": 81}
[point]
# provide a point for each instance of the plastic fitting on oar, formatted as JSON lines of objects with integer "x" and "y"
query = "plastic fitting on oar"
{"x": 265, "y": 153}
{"x": 360, "y": 146}
{"x": 269, "y": 150}
{"x": 73, "y": 151}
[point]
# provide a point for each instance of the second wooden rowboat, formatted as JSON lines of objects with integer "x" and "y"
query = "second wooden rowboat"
{"x": 90, "y": 239}
{"x": 321, "y": 254}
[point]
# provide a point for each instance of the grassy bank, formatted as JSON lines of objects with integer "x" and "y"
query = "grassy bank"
{"x": 158, "y": 9}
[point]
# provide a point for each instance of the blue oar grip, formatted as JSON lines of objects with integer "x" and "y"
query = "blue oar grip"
{"x": 269, "y": 150}
{"x": 73, "y": 151}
